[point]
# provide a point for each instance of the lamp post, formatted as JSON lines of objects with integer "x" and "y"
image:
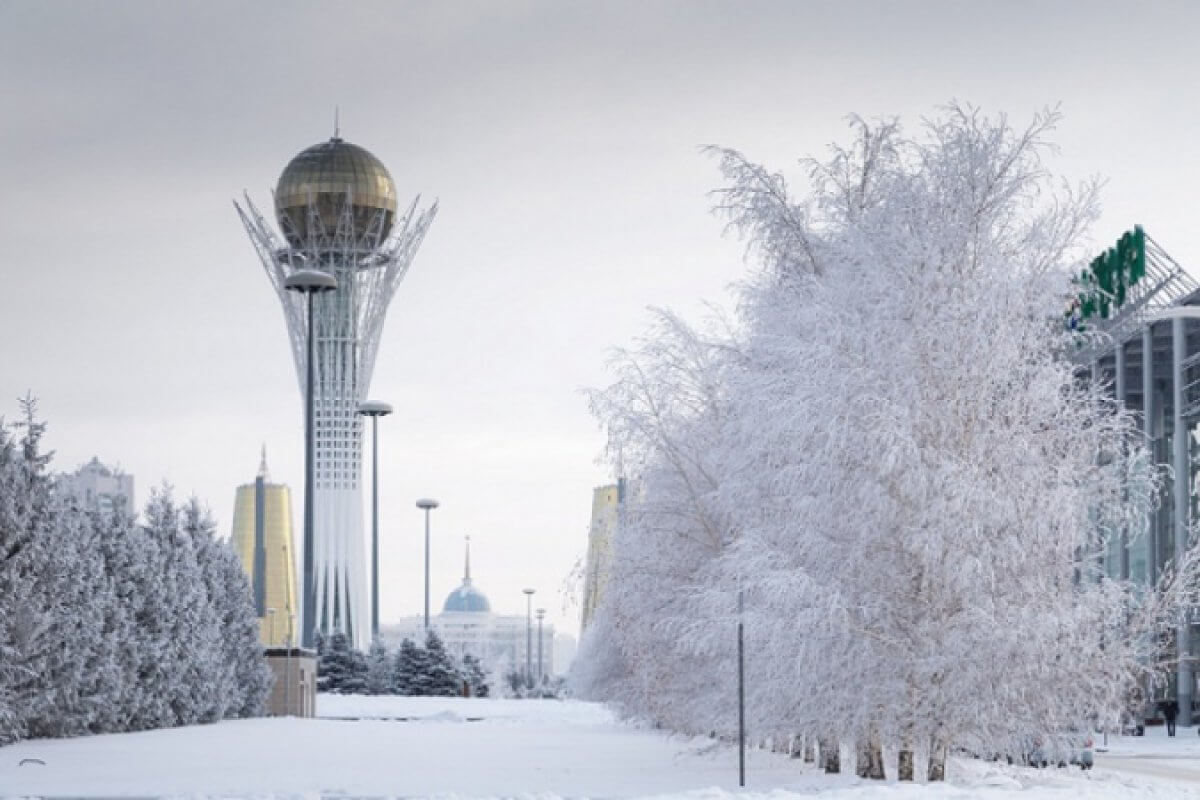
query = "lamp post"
{"x": 528, "y": 635}
{"x": 271, "y": 635}
{"x": 541, "y": 615}
{"x": 287, "y": 687}
{"x": 374, "y": 410}
{"x": 309, "y": 282}
{"x": 741, "y": 694}
{"x": 427, "y": 504}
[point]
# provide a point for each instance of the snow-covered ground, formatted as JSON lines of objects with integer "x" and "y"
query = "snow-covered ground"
{"x": 434, "y": 747}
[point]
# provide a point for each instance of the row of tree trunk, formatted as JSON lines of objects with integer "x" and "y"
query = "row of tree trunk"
{"x": 868, "y": 758}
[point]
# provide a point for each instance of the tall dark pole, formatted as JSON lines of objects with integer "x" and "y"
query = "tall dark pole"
{"x": 309, "y": 613}
{"x": 528, "y": 635}
{"x": 741, "y": 698}
{"x": 541, "y": 614}
{"x": 374, "y": 410}
{"x": 309, "y": 282}
{"x": 428, "y": 505}
{"x": 374, "y": 527}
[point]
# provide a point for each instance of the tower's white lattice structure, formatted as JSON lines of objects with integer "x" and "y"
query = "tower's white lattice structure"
{"x": 336, "y": 208}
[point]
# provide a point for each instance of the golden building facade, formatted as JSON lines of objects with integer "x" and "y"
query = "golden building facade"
{"x": 606, "y": 507}
{"x": 262, "y": 538}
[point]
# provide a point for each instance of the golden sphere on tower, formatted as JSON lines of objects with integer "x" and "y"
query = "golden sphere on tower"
{"x": 322, "y": 178}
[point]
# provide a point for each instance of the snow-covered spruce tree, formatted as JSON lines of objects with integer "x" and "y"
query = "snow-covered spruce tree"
{"x": 342, "y": 669}
{"x": 380, "y": 668}
{"x": 218, "y": 664}
{"x": 240, "y": 674}
{"x": 117, "y": 540}
{"x": 440, "y": 677}
{"x": 195, "y": 671}
{"x": 26, "y": 613}
{"x": 408, "y": 664}
{"x": 476, "y": 678}
{"x": 75, "y": 672}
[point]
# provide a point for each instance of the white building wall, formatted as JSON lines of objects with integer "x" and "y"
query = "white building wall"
{"x": 97, "y": 487}
{"x": 498, "y": 641}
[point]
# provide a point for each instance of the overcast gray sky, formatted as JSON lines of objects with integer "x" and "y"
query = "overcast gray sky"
{"x": 562, "y": 141}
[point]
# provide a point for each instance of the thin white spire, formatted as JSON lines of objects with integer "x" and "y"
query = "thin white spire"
{"x": 467, "y": 571}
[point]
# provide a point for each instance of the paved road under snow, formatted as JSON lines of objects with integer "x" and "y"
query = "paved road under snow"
{"x": 503, "y": 748}
{"x": 1180, "y": 768}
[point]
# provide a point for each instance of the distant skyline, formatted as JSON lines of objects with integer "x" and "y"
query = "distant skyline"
{"x": 563, "y": 143}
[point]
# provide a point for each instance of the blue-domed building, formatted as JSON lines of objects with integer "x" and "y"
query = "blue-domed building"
{"x": 467, "y": 624}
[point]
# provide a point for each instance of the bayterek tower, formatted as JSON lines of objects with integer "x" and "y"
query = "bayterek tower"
{"x": 335, "y": 204}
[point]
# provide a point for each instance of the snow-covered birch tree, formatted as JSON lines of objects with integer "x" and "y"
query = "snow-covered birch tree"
{"x": 896, "y": 463}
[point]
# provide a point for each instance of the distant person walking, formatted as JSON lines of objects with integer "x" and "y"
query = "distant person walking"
{"x": 1170, "y": 710}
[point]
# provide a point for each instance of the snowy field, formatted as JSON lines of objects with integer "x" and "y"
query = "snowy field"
{"x": 435, "y": 747}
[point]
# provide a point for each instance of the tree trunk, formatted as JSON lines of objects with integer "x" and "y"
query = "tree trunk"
{"x": 862, "y": 757}
{"x": 869, "y": 759}
{"x": 798, "y": 749}
{"x": 904, "y": 767}
{"x": 831, "y": 760}
{"x": 937, "y": 761}
{"x": 810, "y": 751}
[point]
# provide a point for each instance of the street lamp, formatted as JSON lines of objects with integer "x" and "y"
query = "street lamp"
{"x": 309, "y": 282}
{"x": 271, "y": 636}
{"x": 541, "y": 615}
{"x": 427, "y": 504}
{"x": 374, "y": 410}
{"x": 287, "y": 686}
{"x": 528, "y": 635}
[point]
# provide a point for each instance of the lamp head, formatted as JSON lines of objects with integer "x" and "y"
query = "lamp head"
{"x": 374, "y": 408}
{"x": 310, "y": 281}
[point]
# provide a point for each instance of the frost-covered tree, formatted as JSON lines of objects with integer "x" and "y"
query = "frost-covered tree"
{"x": 440, "y": 677}
{"x": 475, "y": 676}
{"x": 26, "y": 611}
{"x": 341, "y": 669}
{"x": 194, "y": 671}
{"x": 380, "y": 669}
{"x": 891, "y": 457}
{"x": 409, "y": 663}
{"x": 241, "y": 676}
{"x": 106, "y": 625}
{"x": 117, "y": 541}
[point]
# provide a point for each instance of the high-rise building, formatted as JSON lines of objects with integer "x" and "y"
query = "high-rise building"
{"x": 335, "y": 204}
{"x": 262, "y": 538}
{"x": 97, "y": 487}
{"x": 606, "y": 514}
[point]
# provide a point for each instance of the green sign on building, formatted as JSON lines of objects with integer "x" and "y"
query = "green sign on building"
{"x": 1105, "y": 284}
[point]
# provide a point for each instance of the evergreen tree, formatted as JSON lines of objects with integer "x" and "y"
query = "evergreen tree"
{"x": 73, "y": 668}
{"x": 106, "y": 625}
{"x": 473, "y": 673}
{"x": 116, "y": 540}
{"x": 379, "y": 678}
{"x": 409, "y": 663}
{"x": 26, "y": 612}
{"x": 191, "y": 645}
{"x": 241, "y": 674}
{"x": 440, "y": 677}
{"x": 336, "y": 667}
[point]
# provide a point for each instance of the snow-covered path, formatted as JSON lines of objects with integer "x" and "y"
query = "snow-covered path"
{"x": 499, "y": 748}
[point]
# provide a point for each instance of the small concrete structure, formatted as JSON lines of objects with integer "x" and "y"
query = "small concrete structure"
{"x": 294, "y": 692}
